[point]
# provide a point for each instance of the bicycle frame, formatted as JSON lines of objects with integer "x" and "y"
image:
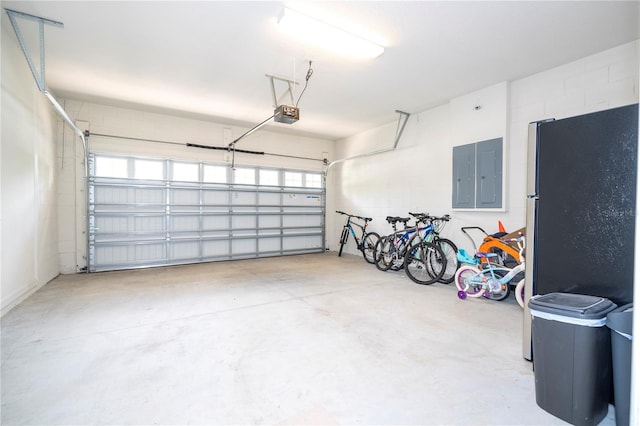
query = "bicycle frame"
{"x": 511, "y": 272}
{"x": 351, "y": 224}
{"x": 410, "y": 234}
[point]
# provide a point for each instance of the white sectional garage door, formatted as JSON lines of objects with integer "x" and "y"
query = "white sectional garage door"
{"x": 151, "y": 212}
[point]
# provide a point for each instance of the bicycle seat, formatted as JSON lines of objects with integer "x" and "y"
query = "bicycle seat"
{"x": 396, "y": 219}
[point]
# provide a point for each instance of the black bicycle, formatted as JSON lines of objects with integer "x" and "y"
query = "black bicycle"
{"x": 367, "y": 241}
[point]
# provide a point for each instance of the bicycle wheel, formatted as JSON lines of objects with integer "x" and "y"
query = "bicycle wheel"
{"x": 497, "y": 290}
{"x": 420, "y": 262}
{"x": 469, "y": 282}
{"x": 368, "y": 246}
{"x": 520, "y": 293}
{"x": 383, "y": 252}
{"x": 450, "y": 252}
{"x": 343, "y": 239}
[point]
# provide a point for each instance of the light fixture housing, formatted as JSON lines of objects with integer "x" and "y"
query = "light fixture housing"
{"x": 305, "y": 28}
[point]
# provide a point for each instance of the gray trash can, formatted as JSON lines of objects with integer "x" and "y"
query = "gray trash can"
{"x": 620, "y": 321}
{"x": 572, "y": 356}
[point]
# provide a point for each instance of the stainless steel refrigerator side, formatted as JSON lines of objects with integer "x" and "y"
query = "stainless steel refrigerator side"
{"x": 532, "y": 197}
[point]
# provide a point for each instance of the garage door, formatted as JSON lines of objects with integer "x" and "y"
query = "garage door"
{"x": 152, "y": 212}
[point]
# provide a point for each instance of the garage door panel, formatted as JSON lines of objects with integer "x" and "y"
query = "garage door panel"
{"x": 302, "y": 243}
{"x": 215, "y": 222}
{"x": 216, "y": 249}
{"x": 266, "y": 199}
{"x": 242, "y": 222}
{"x": 270, "y": 221}
{"x": 215, "y": 197}
{"x": 150, "y": 224}
{"x": 184, "y": 250}
{"x": 301, "y": 220}
{"x": 184, "y": 223}
{"x": 147, "y": 195}
{"x": 243, "y": 246}
{"x": 302, "y": 199}
{"x": 243, "y": 198}
{"x": 184, "y": 196}
{"x": 270, "y": 245}
{"x": 110, "y": 224}
{"x": 149, "y": 253}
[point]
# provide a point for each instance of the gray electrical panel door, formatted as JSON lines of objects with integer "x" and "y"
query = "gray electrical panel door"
{"x": 464, "y": 169}
{"x": 489, "y": 174}
{"x": 477, "y": 175}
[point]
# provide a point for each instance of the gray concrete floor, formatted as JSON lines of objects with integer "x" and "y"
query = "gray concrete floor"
{"x": 312, "y": 339}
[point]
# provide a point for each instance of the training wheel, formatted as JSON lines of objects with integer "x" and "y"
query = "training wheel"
{"x": 462, "y": 294}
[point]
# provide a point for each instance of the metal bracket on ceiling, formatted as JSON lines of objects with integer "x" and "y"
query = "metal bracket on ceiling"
{"x": 402, "y": 122}
{"x": 38, "y": 75}
{"x": 288, "y": 90}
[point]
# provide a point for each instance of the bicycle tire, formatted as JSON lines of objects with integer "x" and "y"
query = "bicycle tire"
{"x": 450, "y": 251}
{"x": 343, "y": 239}
{"x": 468, "y": 282}
{"x": 420, "y": 261}
{"x": 368, "y": 246}
{"x": 520, "y": 293}
{"x": 382, "y": 253}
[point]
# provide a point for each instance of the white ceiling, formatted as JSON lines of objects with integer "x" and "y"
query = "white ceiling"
{"x": 209, "y": 59}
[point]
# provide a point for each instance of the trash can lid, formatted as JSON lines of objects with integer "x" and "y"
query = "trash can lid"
{"x": 621, "y": 320}
{"x": 572, "y": 305}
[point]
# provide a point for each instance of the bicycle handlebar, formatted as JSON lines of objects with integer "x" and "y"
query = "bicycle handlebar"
{"x": 366, "y": 219}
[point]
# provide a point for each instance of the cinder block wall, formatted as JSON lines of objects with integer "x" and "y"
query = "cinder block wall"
{"x": 418, "y": 175}
{"x": 28, "y": 183}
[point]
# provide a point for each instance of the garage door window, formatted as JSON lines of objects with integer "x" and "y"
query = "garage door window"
{"x": 292, "y": 179}
{"x": 186, "y": 172}
{"x": 269, "y": 177}
{"x": 216, "y": 174}
{"x": 313, "y": 180}
{"x": 111, "y": 167}
{"x": 244, "y": 176}
{"x": 148, "y": 170}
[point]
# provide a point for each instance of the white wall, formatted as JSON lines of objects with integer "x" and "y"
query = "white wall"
{"x": 417, "y": 175}
{"x": 28, "y": 213}
{"x": 109, "y": 120}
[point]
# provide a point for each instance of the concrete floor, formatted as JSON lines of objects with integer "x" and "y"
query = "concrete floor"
{"x": 312, "y": 339}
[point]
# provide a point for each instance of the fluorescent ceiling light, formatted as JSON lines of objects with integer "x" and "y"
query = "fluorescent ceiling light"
{"x": 302, "y": 27}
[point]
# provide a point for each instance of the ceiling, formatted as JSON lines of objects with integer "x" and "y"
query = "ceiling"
{"x": 209, "y": 59}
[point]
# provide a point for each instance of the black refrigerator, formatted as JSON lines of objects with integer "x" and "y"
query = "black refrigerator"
{"x": 581, "y": 204}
